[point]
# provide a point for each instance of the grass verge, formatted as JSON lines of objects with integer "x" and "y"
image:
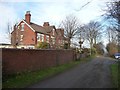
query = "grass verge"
{"x": 115, "y": 74}
{"x": 24, "y": 79}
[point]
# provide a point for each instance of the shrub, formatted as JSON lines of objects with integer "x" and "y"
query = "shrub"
{"x": 112, "y": 48}
{"x": 66, "y": 46}
{"x": 93, "y": 51}
{"x": 43, "y": 45}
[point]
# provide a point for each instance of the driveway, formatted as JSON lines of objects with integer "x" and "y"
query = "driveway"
{"x": 93, "y": 74}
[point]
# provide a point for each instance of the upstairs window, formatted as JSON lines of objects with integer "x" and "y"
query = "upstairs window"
{"x": 53, "y": 40}
{"x": 18, "y": 27}
{"x": 21, "y": 38}
{"x": 22, "y": 26}
{"x": 53, "y": 31}
{"x": 38, "y": 36}
{"x": 47, "y": 38}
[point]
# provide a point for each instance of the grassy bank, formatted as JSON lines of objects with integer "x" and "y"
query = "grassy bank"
{"x": 115, "y": 75}
{"x": 24, "y": 79}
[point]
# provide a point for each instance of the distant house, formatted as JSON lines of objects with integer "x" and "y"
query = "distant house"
{"x": 27, "y": 34}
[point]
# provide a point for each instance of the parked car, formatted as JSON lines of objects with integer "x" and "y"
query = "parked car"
{"x": 117, "y": 55}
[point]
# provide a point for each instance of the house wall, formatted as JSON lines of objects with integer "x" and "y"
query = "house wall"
{"x": 60, "y": 38}
{"x": 29, "y": 36}
{"x": 13, "y": 38}
{"x": 21, "y": 60}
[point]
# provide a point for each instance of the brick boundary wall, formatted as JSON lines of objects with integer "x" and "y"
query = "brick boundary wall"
{"x": 21, "y": 60}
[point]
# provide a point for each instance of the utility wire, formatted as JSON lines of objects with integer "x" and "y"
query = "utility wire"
{"x": 83, "y": 6}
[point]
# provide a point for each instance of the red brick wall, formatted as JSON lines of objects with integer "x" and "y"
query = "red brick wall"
{"x": 20, "y": 60}
{"x": 29, "y": 36}
{"x": 13, "y": 38}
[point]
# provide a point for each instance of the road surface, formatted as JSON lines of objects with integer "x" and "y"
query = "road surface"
{"x": 93, "y": 74}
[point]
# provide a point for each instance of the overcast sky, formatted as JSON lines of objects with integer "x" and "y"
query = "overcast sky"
{"x": 44, "y": 10}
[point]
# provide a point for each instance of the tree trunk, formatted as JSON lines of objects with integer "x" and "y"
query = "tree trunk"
{"x": 95, "y": 42}
{"x": 91, "y": 46}
{"x": 69, "y": 42}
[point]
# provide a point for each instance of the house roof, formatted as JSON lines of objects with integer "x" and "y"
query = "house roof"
{"x": 41, "y": 29}
{"x": 48, "y": 28}
{"x": 38, "y": 28}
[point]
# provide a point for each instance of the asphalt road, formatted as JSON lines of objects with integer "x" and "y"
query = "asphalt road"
{"x": 93, "y": 74}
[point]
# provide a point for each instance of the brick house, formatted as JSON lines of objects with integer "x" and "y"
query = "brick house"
{"x": 27, "y": 34}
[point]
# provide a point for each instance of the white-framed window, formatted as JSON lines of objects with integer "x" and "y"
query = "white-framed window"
{"x": 53, "y": 40}
{"x": 22, "y": 26}
{"x": 21, "y": 37}
{"x": 63, "y": 41}
{"x": 38, "y": 36}
{"x": 47, "y": 38}
{"x": 42, "y": 36}
{"x": 18, "y": 27}
{"x": 53, "y": 31}
{"x": 30, "y": 47}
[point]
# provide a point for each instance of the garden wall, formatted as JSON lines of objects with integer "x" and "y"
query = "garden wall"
{"x": 21, "y": 60}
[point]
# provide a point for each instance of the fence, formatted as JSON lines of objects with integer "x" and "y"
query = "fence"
{"x": 21, "y": 60}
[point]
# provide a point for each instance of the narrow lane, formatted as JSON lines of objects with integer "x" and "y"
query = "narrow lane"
{"x": 93, "y": 74}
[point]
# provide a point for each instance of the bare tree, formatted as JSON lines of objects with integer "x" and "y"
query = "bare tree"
{"x": 97, "y": 30}
{"x": 112, "y": 35}
{"x": 70, "y": 27}
{"x": 92, "y": 32}
{"x": 8, "y": 31}
{"x": 100, "y": 48}
{"x": 81, "y": 32}
{"x": 113, "y": 13}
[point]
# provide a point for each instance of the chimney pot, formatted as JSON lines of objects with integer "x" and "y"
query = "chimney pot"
{"x": 28, "y": 12}
{"x": 46, "y": 24}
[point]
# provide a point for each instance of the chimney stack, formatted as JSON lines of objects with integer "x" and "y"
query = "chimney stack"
{"x": 27, "y": 17}
{"x": 46, "y": 24}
